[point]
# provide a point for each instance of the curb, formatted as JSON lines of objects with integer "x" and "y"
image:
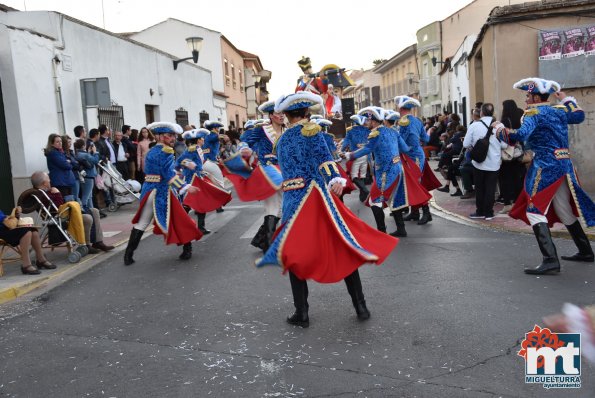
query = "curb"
{"x": 64, "y": 273}
{"x": 460, "y": 218}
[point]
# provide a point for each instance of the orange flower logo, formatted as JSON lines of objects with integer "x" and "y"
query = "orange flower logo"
{"x": 539, "y": 338}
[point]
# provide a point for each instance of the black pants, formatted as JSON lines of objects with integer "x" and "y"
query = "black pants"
{"x": 122, "y": 167}
{"x": 510, "y": 179}
{"x": 452, "y": 173}
{"x": 466, "y": 172}
{"x": 485, "y": 191}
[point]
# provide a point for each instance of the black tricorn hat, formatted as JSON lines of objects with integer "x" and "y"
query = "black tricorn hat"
{"x": 304, "y": 63}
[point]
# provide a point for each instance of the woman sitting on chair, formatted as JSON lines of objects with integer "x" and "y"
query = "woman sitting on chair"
{"x": 24, "y": 237}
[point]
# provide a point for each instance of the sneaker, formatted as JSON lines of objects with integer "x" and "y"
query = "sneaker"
{"x": 457, "y": 193}
{"x": 488, "y": 218}
{"x": 476, "y": 216}
{"x": 445, "y": 188}
{"x": 500, "y": 200}
{"x": 505, "y": 209}
{"x": 468, "y": 195}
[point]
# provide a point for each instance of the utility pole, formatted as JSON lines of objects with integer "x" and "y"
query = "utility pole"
{"x": 103, "y": 13}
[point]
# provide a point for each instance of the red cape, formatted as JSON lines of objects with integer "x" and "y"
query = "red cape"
{"x": 334, "y": 258}
{"x": 256, "y": 187}
{"x": 181, "y": 229}
{"x": 209, "y": 198}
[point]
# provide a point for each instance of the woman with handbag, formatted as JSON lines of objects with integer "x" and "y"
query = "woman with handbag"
{"x": 88, "y": 160}
{"x": 23, "y": 237}
{"x": 512, "y": 170}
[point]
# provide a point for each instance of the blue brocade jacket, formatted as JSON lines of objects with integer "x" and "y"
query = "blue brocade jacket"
{"x": 385, "y": 144}
{"x": 189, "y": 155}
{"x": 160, "y": 175}
{"x": 413, "y": 132}
{"x": 210, "y": 149}
{"x": 262, "y": 140}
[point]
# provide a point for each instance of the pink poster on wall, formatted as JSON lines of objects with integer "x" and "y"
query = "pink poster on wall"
{"x": 590, "y": 46}
{"x": 551, "y": 46}
{"x": 574, "y": 43}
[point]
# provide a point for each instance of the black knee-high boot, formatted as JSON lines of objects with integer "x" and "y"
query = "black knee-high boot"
{"x": 186, "y": 251}
{"x": 426, "y": 216}
{"x": 354, "y": 287}
{"x": 133, "y": 241}
{"x": 200, "y": 218}
{"x": 548, "y": 250}
{"x": 413, "y": 215}
{"x": 379, "y": 218}
{"x": 260, "y": 237}
{"x": 270, "y": 223}
{"x": 363, "y": 190}
{"x": 585, "y": 252}
{"x": 398, "y": 216}
{"x": 299, "y": 289}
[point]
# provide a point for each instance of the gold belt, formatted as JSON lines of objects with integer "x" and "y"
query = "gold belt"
{"x": 562, "y": 153}
{"x": 293, "y": 183}
{"x": 152, "y": 178}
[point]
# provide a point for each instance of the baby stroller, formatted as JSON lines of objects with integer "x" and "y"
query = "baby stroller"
{"x": 123, "y": 192}
{"x": 54, "y": 223}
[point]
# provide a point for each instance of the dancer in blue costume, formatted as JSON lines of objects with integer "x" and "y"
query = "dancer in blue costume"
{"x": 210, "y": 196}
{"x": 413, "y": 132}
{"x": 356, "y": 138}
{"x": 319, "y": 238}
{"x": 552, "y": 190}
{"x": 210, "y": 150}
{"x": 190, "y": 162}
{"x": 261, "y": 140}
{"x": 159, "y": 202}
{"x": 385, "y": 145}
{"x": 329, "y": 138}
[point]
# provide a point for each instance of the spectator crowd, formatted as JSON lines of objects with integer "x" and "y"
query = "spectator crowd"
{"x": 76, "y": 172}
{"x": 499, "y": 178}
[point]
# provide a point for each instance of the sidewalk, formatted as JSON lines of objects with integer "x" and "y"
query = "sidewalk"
{"x": 116, "y": 229}
{"x": 462, "y": 208}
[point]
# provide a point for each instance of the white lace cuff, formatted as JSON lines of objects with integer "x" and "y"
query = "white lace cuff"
{"x": 183, "y": 190}
{"x": 339, "y": 180}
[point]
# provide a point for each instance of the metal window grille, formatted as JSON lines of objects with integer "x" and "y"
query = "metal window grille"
{"x": 204, "y": 116}
{"x": 111, "y": 116}
{"x": 182, "y": 118}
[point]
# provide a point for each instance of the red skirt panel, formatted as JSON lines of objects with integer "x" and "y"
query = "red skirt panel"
{"x": 209, "y": 198}
{"x": 181, "y": 228}
{"x": 320, "y": 250}
{"x": 429, "y": 179}
{"x": 349, "y": 186}
{"x": 256, "y": 187}
{"x": 541, "y": 201}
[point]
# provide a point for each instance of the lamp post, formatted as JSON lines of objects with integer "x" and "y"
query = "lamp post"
{"x": 257, "y": 78}
{"x": 195, "y": 45}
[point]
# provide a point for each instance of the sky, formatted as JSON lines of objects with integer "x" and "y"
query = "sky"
{"x": 346, "y": 33}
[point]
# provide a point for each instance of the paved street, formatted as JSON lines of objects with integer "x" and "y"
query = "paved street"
{"x": 449, "y": 309}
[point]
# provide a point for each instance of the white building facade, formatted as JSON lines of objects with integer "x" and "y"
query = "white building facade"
{"x": 455, "y": 90}
{"x": 170, "y": 36}
{"x": 51, "y": 66}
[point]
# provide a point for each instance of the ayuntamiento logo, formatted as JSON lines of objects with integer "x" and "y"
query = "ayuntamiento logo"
{"x": 552, "y": 359}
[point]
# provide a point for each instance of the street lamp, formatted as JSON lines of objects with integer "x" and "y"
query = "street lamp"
{"x": 435, "y": 60}
{"x": 195, "y": 45}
